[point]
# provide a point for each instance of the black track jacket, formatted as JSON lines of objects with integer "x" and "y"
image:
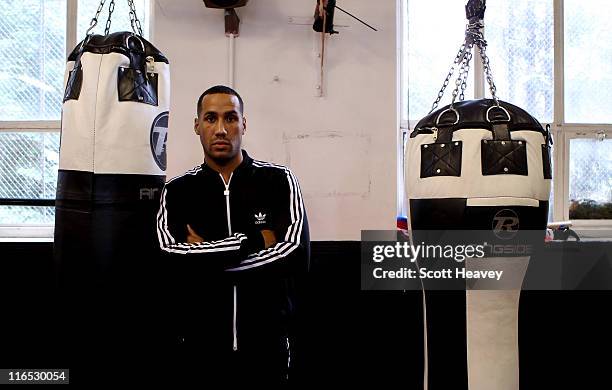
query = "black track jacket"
{"x": 234, "y": 295}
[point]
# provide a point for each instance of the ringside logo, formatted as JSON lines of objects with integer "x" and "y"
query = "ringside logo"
{"x": 505, "y": 224}
{"x": 159, "y": 136}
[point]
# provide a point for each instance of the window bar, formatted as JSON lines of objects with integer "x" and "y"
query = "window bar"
{"x": 26, "y": 202}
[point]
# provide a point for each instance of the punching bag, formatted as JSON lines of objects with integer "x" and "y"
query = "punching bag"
{"x": 111, "y": 172}
{"x": 477, "y": 165}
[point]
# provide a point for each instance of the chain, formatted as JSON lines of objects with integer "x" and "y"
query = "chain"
{"x": 111, "y": 8}
{"x": 467, "y": 70}
{"x": 441, "y": 92}
{"x": 94, "y": 20}
{"x": 473, "y": 37}
{"x": 458, "y": 59}
{"x": 464, "y": 70}
{"x": 134, "y": 21}
{"x": 482, "y": 45}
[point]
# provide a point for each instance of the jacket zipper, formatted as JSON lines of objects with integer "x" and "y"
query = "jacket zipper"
{"x": 235, "y": 330}
{"x": 229, "y": 233}
{"x": 227, "y": 203}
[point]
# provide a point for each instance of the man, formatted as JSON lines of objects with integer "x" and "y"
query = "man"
{"x": 236, "y": 229}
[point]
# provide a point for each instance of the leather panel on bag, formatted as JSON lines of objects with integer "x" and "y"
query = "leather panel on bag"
{"x": 441, "y": 159}
{"x": 499, "y": 157}
{"x": 134, "y": 86}
{"x": 74, "y": 83}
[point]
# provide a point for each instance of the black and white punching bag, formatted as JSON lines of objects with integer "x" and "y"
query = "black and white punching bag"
{"x": 477, "y": 165}
{"x": 111, "y": 172}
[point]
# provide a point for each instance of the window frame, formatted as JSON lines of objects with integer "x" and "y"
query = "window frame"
{"x": 563, "y": 132}
{"x": 44, "y": 232}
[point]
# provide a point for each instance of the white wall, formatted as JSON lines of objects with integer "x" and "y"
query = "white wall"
{"x": 342, "y": 147}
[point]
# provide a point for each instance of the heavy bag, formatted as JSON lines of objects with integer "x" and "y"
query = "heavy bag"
{"x": 111, "y": 170}
{"x": 481, "y": 165}
{"x": 478, "y": 165}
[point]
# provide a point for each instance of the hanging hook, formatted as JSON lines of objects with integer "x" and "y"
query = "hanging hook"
{"x": 475, "y": 10}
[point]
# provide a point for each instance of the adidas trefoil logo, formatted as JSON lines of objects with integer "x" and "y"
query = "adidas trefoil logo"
{"x": 260, "y": 218}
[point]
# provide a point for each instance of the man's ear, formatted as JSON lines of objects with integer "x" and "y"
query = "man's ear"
{"x": 244, "y": 126}
{"x": 196, "y": 128}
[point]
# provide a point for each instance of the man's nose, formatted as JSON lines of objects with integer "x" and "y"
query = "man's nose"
{"x": 220, "y": 129}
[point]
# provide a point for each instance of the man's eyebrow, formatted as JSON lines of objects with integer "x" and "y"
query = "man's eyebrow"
{"x": 223, "y": 113}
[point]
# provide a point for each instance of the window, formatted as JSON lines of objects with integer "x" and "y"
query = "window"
{"x": 552, "y": 58}
{"x": 588, "y": 61}
{"x": 590, "y": 178}
{"x": 427, "y": 68}
{"x": 521, "y": 52}
{"x": 34, "y": 43}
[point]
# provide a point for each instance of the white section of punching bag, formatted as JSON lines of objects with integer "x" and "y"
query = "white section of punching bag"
{"x": 100, "y": 134}
{"x": 502, "y": 201}
{"x": 123, "y": 128}
{"x": 78, "y": 117}
{"x": 492, "y": 324}
{"x": 472, "y": 183}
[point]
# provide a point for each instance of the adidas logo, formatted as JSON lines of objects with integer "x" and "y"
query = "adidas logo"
{"x": 260, "y": 218}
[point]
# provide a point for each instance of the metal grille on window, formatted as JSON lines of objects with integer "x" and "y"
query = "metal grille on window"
{"x": 588, "y": 61}
{"x": 426, "y": 67}
{"x": 590, "y": 181}
{"x": 28, "y": 170}
{"x": 32, "y": 43}
{"x": 521, "y": 50}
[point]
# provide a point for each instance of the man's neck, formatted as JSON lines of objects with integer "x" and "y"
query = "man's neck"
{"x": 225, "y": 168}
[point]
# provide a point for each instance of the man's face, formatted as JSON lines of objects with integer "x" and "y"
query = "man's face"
{"x": 220, "y": 126}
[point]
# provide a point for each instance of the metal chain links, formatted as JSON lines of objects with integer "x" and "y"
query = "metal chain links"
{"x": 464, "y": 70}
{"x": 94, "y": 20}
{"x": 134, "y": 21}
{"x": 487, "y": 68}
{"x": 458, "y": 59}
{"x": 111, "y": 8}
{"x": 473, "y": 37}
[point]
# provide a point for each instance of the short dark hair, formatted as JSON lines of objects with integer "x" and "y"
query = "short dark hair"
{"x": 220, "y": 89}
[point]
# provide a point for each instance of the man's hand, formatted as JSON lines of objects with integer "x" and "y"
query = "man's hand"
{"x": 268, "y": 235}
{"x": 193, "y": 237}
{"x": 269, "y": 238}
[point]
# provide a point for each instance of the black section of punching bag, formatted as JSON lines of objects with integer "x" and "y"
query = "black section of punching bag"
{"x": 453, "y": 214}
{"x": 445, "y": 309}
{"x": 118, "y": 42}
{"x": 108, "y": 188}
{"x": 446, "y": 341}
{"x": 473, "y": 115}
{"x": 106, "y": 254}
{"x": 433, "y": 214}
{"x": 529, "y": 218}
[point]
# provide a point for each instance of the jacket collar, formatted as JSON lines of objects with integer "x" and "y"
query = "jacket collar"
{"x": 246, "y": 162}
